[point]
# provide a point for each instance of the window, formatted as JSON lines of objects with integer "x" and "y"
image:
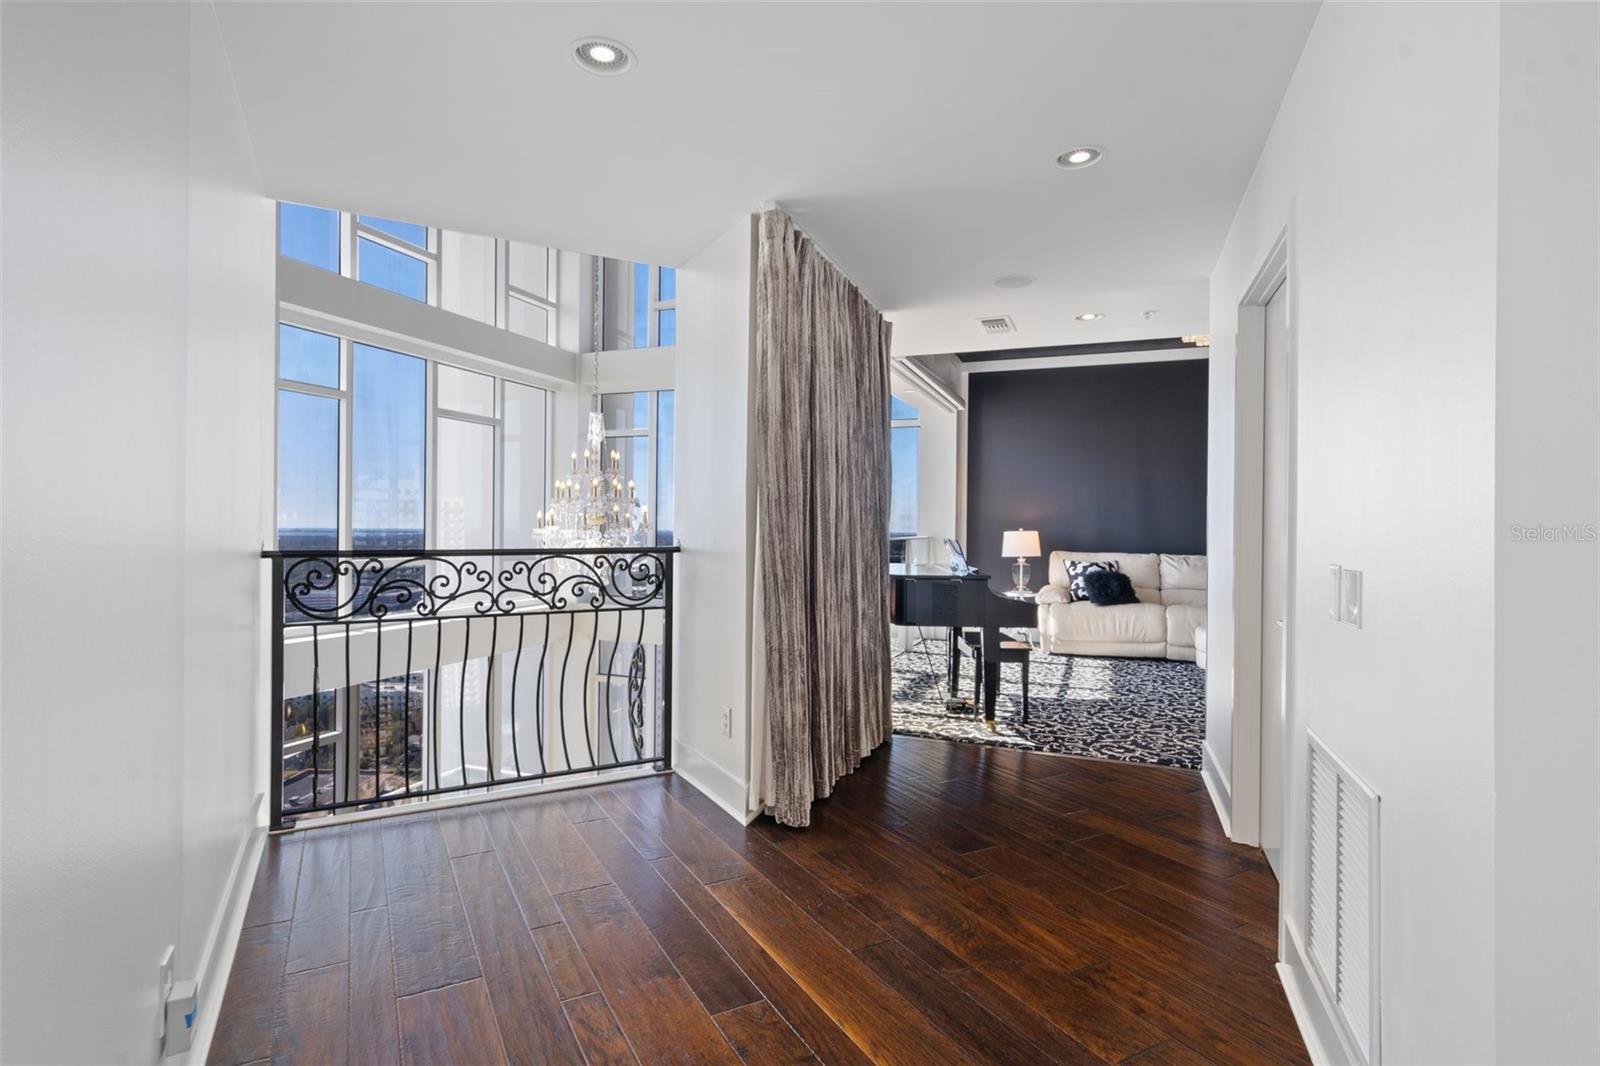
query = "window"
{"x": 528, "y": 275}
{"x": 903, "y": 430}
{"x": 309, "y": 234}
{"x": 640, "y": 428}
{"x": 388, "y": 448}
{"x": 367, "y": 460}
{"x": 641, "y": 305}
{"x": 504, "y": 283}
{"x": 398, "y": 256}
{"x": 467, "y": 425}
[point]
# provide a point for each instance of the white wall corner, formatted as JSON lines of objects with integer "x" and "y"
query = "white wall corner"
{"x": 1217, "y": 787}
{"x": 222, "y": 938}
{"x": 712, "y": 781}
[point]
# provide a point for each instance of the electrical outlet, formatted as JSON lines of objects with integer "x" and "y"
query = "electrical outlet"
{"x": 727, "y": 721}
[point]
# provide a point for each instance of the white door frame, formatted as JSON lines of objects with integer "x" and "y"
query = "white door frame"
{"x": 1248, "y": 558}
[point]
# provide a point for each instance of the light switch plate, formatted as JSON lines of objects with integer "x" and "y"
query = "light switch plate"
{"x": 1350, "y": 597}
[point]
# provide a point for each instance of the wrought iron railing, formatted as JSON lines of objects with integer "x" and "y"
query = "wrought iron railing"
{"x": 400, "y": 675}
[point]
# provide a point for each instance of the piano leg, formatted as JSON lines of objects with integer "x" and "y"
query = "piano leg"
{"x": 991, "y": 685}
{"x": 953, "y": 664}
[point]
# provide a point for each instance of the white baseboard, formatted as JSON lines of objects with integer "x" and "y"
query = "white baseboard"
{"x": 1317, "y": 1026}
{"x": 222, "y": 938}
{"x": 1221, "y": 794}
{"x": 719, "y": 786}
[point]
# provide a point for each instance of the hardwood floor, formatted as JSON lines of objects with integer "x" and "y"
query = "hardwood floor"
{"x": 950, "y": 903}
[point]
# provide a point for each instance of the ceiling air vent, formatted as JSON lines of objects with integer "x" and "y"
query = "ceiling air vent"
{"x": 997, "y": 324}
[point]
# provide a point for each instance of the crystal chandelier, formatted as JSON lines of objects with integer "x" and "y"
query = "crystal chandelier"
{"x": 593, "y": 506}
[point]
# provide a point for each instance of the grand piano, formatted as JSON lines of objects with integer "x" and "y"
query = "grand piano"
{"x": 934, "y": 597}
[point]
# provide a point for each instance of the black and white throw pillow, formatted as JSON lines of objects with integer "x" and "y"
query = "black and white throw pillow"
{"x": 1076, "y": 572}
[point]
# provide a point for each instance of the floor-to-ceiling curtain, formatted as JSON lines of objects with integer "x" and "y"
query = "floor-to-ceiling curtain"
{"x": 822, "y": 520}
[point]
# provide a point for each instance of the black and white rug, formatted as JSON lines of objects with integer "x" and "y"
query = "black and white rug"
{"x": 1134, "y": 710}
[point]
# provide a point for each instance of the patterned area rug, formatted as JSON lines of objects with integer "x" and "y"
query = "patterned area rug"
{"x": 1134, "y": 710}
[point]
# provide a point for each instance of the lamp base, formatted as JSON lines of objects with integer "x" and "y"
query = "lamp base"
{"x": 1020, "y": 573}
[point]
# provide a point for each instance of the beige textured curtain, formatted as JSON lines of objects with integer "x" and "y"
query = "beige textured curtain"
{"x": 822, "y": 475}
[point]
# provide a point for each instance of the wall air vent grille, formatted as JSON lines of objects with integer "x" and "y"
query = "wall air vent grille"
{"x": 997, "y": 324}
{"x": 1342, "y": 895}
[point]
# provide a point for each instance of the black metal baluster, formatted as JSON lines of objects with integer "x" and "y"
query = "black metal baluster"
{"x": 275, "y": 651}
{"x": 516, "y": 668}
{"x": 405, "y": 732}
{"x": 377, "y": 715}
{"x": 352, "y": 723}
{"x": 538, "y": 697}
{"x": 665, "y": 737}
{"x": 461, "y": 704}
{"x": 611, "y": 668}
{"x": 562, "y": 695}
{"x": 589, "y": 665}
{"x": 316, "y": 716}
{"x": 433, "y": 708}
{"x": 637, "y": 724}
{"x": 488, "y": 695}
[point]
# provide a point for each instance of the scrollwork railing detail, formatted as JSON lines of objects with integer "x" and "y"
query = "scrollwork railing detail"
{"x": 340, "y": 587}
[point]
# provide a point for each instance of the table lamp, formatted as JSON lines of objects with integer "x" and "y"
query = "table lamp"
{"x": 1021, "y": 545}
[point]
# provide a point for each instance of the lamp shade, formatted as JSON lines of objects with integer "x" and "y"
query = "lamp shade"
{"x": 1020, "y": 544}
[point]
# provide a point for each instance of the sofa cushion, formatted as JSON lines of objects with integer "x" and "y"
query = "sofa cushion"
{"x": 1182, "y": 620}
{"x": 1183, "y": 579}
{"x": 1143, "y": 570}
{"x": 1130, "y": 623}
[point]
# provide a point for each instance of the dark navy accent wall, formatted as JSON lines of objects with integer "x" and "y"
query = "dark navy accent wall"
{"x": 1096, "y": 458}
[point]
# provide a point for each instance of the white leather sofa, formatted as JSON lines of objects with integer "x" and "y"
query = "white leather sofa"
{"x": 1172, "y": 603}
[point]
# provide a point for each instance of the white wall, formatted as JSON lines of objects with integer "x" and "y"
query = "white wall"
{"x": 1381, "y": 163}
{"x": 1443, "y": 310}
{"x": 716, "y": 508}
{"x": 137, "y": 291}
{"x": 1547, "y": 689}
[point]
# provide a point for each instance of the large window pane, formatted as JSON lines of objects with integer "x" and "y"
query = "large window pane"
{"x": 903, "y": 481}
{"x": 666, "y": 418}
{"x": 528, "y": 319}
{"x": 409, "y": 232}
{"x": 900, "y": 411}
{"x": 466, "y": 485}
{"x": 389, "y": 397}
{"x": 309, "y": 234}
{"x": 309, "y": 357}
{"x": 308, "y": 471}
{"x": 529, "y": 267}
{"x": 626, "y": 410}
{"x": 465, "y": 391}
{"x": 667, "y": 326}
{"x": 669, "y": 284}
{"x": 641, "y": 305}
{"x": 525, "y": 465}
{"x": 388, "y": 269}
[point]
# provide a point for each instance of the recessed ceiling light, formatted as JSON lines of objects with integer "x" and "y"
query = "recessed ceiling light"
{"x": 1013, "y": 281}
{"x": 1089, "y": 316}
{"x": 1080, "y": 157}
{"x": 601, "y": 55}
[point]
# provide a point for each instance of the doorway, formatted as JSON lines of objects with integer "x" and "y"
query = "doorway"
{"x": 1276, "y": 451}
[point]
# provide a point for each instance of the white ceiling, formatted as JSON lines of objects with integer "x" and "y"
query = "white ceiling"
{"x": 915, "y": 142}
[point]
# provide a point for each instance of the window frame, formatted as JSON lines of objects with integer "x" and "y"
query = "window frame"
{"x": 905, "y": 423}
{"x": 506, "y": 292}
{"x": 353, "y": 231}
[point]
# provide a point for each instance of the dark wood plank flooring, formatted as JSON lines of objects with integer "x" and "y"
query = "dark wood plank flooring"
{"x": 950, "y": 903}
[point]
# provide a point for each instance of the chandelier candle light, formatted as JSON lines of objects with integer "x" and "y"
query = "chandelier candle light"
{"x": 1021, "y": 545}
{"x": 593, "y": 507}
